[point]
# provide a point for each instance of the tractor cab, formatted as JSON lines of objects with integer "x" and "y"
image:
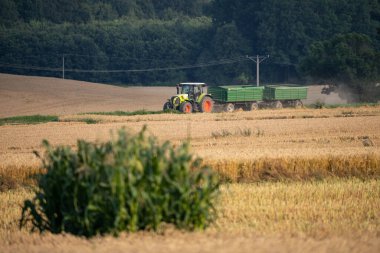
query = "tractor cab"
{"x": 190, "y": 97}
{"x": 193, "y": 90}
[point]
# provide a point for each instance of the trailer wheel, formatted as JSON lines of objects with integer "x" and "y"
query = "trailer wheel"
{"x": 206, "y": 104}
{"x": 186, "y": 107}
{"x": 229, "y": 107}
{"x": 277, "y": 105}
{"x": 298, "y": 104}
{"x": 254, "y": 106}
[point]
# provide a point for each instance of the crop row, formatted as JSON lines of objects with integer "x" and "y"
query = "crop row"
{"x": 364, "y": 166}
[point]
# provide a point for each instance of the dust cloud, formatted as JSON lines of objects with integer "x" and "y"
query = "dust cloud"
{"x": 329, "y": 95}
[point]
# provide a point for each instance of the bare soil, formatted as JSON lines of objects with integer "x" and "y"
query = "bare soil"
{"x": 29, "y": 95}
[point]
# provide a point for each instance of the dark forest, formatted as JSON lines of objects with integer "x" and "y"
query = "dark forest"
{"x": 147, "y": 42}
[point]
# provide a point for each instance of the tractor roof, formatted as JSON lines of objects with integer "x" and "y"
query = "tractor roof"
{"x": 194, "y": 84}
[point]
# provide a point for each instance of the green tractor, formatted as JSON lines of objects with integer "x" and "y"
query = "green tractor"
{"x": 190, "y": 97}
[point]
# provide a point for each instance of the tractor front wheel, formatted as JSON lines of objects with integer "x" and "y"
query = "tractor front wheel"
{"x": 167, "y": 106}
{"x": 186, "y": 107}
{"x": 206, "y": 104}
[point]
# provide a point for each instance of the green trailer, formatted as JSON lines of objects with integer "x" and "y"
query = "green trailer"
{"x": 253, "y": 97}
{"x": 277, "y": 92}
{"x": 246, "y": 97}
{"x": 285, "y": 95}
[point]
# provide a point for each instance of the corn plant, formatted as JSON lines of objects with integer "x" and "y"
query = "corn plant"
{"x": 127, "y": 184}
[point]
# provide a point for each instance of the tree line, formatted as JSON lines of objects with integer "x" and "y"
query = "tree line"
{"x": 83, "y": 11}
{"x": 329, "y": 41}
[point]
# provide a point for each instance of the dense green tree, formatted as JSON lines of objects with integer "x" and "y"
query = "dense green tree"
{"x": 150, "y": 34}
{"x": 79, "y": 11}
{"x": 286, "y": 28}
{"x": 347, "y": 57}
{"x": 351, "y": 59}
{"x": 8, "y": 12}
{"x": 119, "y": 45}
{"x": 227, "y": 43}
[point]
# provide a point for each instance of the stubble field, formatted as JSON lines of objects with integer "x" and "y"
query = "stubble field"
{"x": 294, "y": 179}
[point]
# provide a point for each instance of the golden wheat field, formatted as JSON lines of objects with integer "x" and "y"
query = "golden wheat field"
{"x": 294, "y": 180}
{"x": 339, "y": 216}
{"x": 242, "y": 146}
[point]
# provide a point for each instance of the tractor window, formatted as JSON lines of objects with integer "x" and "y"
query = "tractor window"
{"x": 186, "y": 89}
{"x": 198, "y": 90}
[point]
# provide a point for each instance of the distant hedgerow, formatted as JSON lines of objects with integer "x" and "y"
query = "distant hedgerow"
{"x": 130, "y": 183}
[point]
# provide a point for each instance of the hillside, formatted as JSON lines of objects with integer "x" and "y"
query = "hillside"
{"x": 25, "y": 95}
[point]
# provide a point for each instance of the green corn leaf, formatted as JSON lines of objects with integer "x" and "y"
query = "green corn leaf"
{"x": 127, "y": 184}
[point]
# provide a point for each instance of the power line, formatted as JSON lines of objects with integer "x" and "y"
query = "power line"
{"x": 200, "y": 65}
{"x": 16, "y": 66}
{"x": 191, "y": 66}
{"x": 59, "y": 55}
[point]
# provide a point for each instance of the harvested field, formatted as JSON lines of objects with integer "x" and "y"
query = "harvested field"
{"x": 338, "y": 215}
{"x": 300, "y": 179}
{"x": 187, "y": 243}
{"x": 300, "y": 143}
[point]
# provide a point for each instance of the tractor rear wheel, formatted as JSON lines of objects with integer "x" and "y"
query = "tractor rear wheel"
{"x": 186, "y": 107}
{"x": 206, "y": 104}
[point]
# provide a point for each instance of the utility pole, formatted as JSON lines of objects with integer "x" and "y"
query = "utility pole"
{"x": 258, "y": 59}
{"x": 63, "y": 66}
